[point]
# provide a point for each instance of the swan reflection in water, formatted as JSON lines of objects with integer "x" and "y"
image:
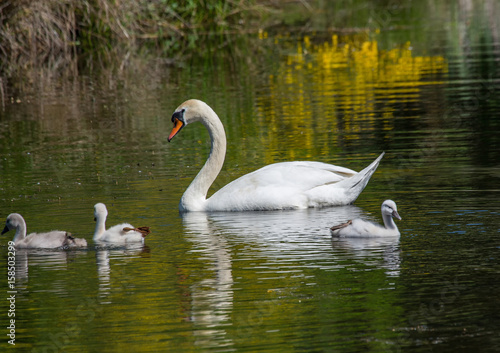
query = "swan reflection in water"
{"x": 282, "y": 237}
{"x": 294, "y": 233}
{"x": 105, "y": 253}
{"x": 369, "y": 251}
{"x": 46, "y": 259}
{"x": 212, "y": 298}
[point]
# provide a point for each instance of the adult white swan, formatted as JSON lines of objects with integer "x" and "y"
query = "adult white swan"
{"x": 362, "y": 228}
{"x": 50, "y": 240}
{"x": 286, "y": 185}
{"x": 123, "y": 233}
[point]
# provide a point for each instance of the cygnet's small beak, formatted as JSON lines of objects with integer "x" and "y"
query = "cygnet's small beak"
{"x": 395, "y": 214}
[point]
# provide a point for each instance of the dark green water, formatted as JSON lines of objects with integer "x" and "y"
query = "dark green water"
{"x": 427, "y": 93}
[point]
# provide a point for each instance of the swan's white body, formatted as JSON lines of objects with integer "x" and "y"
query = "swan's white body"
{"x": 287, "y": 185}
{"x": 49, "y": 240}
{"x": 117, "y": 234}
{"x": 362, "y": 228}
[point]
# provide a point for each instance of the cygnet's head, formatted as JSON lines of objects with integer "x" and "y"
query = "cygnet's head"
{"x": 389, "y": 208}
{"x": 14, "y": 220}
{"x": 100, "y": 211}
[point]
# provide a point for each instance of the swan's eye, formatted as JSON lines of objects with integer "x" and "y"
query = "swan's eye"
{"x": 178, "y": 115}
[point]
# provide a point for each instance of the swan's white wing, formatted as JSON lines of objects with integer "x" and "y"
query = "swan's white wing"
{"x": 278, "y": 186}
{"x": 335, "y": 230}
{"x": 116, "y": 234}
{"x": 366, "y": 228}
{"x": 49, "y": 240}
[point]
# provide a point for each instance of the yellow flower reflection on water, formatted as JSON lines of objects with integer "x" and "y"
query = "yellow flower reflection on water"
{"x": 341, "y": 85}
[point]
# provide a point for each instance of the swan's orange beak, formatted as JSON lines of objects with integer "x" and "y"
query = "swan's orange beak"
{"x": 178, "y": 125}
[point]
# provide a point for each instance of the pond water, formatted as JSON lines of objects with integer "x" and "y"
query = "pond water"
{"x": 427, "y": 94}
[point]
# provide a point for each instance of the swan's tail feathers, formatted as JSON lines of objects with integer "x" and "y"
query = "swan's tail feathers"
{"x": 355, "y": 185}
{"x": 143, "y": 230}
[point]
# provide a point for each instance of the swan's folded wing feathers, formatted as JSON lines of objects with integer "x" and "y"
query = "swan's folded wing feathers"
{"x": 365, "y": 228}
{"x": 277, "y": 186}
{"x": 53, "y": 239}
{"x": 143, "y": 230}
{"x": 301, "y": 175}
{"x": 124, "y": 233}
{"x": 342, "y": 225}
{"x": 312, "y": 174}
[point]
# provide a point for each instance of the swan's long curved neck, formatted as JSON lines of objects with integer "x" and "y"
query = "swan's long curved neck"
{"x": 389, "y": 222}
{"x": 100, "y": 226}
{"x": 20, "y": 232}
{"x": 194, "y": 197}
